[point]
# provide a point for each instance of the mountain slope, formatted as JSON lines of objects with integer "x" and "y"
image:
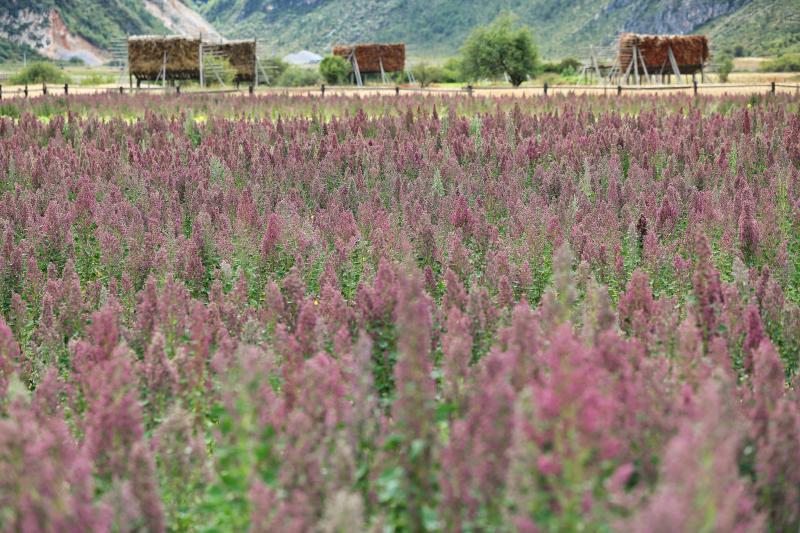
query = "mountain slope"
{"x": 430, "y": 28}
{"x": 762, "y": 27}
{"x": 61, "y": 29}
{"x": 438, "y": 27}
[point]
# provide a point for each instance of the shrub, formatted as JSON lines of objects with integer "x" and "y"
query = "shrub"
{"x": 453, "y": 70}
{"x": 298, "y": 77}
{"x": 334, "y": 69}
{"x": 499, "y": 48}
{"x": 783, "y": 63}
{"x": 569, "y": 64}
{"x": 40, "y": 72}
{"x": 549, "y": 67}
{"x": 725, "y": 68}
{"x": 426, "y": 74}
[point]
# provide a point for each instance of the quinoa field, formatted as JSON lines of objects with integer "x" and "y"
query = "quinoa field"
{"x": 400, "y": 314}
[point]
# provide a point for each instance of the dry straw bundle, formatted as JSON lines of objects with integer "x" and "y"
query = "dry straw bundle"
{"x": 242, "y": 57}
{"x": 369, "y": 56}
{"x": 146, "y": 57}
{"x": 690, "y": 51}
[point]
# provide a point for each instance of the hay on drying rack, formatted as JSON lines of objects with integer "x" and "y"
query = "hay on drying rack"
{"x": 370, "y": 56}
{"x": 241, "y": 55}
{"x": 691, "y": 52}
{"x": 146, "y": 57}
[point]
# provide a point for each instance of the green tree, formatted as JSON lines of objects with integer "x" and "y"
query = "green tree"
{"x": 334, "y": 69}
{"x": 453, "y": 70}
{"x": 40, "y": 72}
{"x": 426, "y": 74}
{"x": 725, "y": 68}
{"x": 501, "y": 47}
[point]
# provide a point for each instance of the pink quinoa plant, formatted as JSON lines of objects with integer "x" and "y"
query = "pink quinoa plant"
{"x": 414, "y": 312}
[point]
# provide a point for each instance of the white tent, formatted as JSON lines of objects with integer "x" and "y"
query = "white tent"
{"x": 303, "y": 57}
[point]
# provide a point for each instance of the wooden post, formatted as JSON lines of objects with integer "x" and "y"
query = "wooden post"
{"x": 619, "y": 90}
{"x": 397, "y": 90}
{"x": 120, "y": 89}
{"x": 66, "y": 88}
{"x": 26, "y": 90}
{"x": 255, "y": 62}
{"x": 674, "y": 63}
{"x": 545, "y": 88}
{"x": 202, "y": 77}
{"x": 178, "y": 90}
{"x": 469, "y": 90}
{"x": 694, "y": 83}
{"x": 1, "y": 92}
{"x": 44, "y": 89}
{"x": 251, "y": 89}
{"x": 772, "y": 88}
{"x": 322, "y": 89}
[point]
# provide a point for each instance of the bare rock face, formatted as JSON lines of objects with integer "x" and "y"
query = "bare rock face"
{"x": 70, "y": 32}
{"x": 181, "y": 19}
{"x": 672, "y": 16}
{"x": 46, "y": 33}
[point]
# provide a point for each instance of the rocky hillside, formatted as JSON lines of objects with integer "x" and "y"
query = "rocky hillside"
{"x": 63, "y": 29}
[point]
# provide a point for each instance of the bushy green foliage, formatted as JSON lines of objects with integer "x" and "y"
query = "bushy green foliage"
{"x": 10, "y": 51}
{"x": 725, "y": 68}
{"x": 334, "y": 69}
{"x": 298, "y": 77}
{"x": 221, "y": 65}
{"x": 425, "y": 73}
{"x": 453, "y": 70}
{"x": 567, "y": 66}
{"x": 499, "y": 48}
{"x": 40, "y": 72}
{"x": 783, "y": 63}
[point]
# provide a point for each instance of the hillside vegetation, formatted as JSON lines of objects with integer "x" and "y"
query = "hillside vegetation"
{"x": 12, "y": 51}
{"x": 760, "y": 28}
{"x": 561, "y": 28}
{"x": 432, "y": 28}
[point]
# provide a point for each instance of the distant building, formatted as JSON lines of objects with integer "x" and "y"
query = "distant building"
{"x": 303, "y": 57}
